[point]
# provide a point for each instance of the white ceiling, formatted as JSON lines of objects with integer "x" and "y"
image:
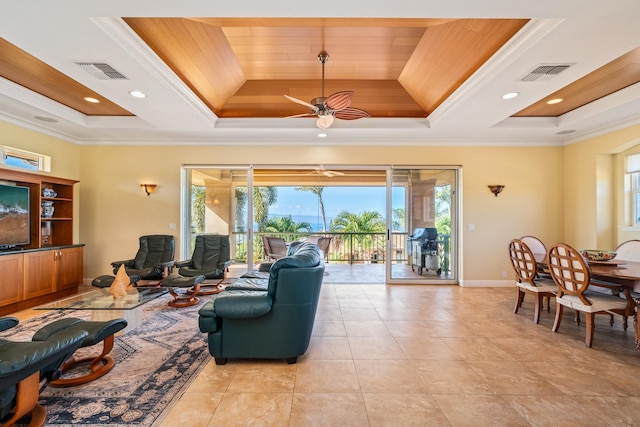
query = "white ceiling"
{"x": 587, "y": 33}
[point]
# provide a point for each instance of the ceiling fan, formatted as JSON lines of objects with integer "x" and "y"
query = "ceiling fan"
{"x": 336, "y": 105}
{"x": 322, "y": 171}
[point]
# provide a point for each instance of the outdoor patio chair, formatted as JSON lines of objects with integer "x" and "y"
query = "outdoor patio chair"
{"x": 274, "y": 247}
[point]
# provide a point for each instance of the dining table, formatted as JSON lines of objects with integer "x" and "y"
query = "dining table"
{"x": 624, "y": 273}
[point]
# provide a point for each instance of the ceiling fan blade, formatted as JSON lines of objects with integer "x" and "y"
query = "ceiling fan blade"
{"x": 339, "y": 100}
{"x": 300, "y": 115}
{"x": 301, "y": 102}
{"x": 351, "y": 113}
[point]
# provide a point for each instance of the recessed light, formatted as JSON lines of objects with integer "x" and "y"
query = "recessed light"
{"x": 91, "y": 100}
{"x": 137, "y": 94}
{"x": 554, "y": 101}
{"x": 46, "y": 119}
{"x": 565, "y": 132}
{"x": 510, "y": 95}
{"x": 322, "y": 135}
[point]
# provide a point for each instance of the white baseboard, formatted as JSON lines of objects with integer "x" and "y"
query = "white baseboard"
{"x": 487, "y": 284}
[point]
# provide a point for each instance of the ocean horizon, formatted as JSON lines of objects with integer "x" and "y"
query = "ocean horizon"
{"x": 313, "y": 220}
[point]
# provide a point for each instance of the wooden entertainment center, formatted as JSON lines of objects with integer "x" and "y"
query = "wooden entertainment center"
{"x": 50, "y": 266}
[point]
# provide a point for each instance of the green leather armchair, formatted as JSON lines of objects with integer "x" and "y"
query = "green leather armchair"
{"x": 275, "y": 323}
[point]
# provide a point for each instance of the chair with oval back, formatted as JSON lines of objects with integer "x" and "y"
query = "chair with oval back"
{"x": 572, "y": 275}
{"x": 527, "y": 280}
{"x": 628, "y": 251}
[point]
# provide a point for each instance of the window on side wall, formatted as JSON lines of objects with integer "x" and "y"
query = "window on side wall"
{"x": 20, "y": 159}
{"x": 633, "y": 169}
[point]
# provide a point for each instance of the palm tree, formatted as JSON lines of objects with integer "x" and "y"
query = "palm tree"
{"x": 398, "y": 219}
{"x": 198, "y": 208}
{"x": 263, "y": 197}
{"x": 366, "y": 222}
{"x": 318, "y": 192}
{"x": 443, "y": 209}
{"x": 285, "y": 224}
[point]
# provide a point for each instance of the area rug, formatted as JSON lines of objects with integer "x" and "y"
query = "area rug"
{"x": 155, "y": 363}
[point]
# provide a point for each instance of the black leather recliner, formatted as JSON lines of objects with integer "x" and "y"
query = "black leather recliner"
{"x": 22, "y": 367}
{"x": 210, "y": 258}
{"x": 153, "y": 261}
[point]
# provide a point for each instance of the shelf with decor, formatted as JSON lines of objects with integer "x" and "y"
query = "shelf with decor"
{"x": 50, "y": 209}
{"x": 39, "y": 259}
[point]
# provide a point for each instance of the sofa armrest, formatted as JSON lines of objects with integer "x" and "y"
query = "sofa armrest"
{"x": 238, "y": 304}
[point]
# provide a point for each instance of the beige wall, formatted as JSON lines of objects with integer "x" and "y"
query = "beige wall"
{"x": 591, "y": 168}
{"x": 569, "y": 194}
{"x": 115, "y": 211}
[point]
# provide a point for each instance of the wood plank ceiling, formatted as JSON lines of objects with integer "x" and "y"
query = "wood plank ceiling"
{"x": 243, "y": 67}
{"x": 396, "y": 67}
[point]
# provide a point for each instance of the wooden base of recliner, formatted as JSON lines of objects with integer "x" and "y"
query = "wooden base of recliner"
{"x": 215, "y": 288}
{"x": 186, "y": 299}
{"x": 99, "y": 365}
{"x": 28, "y": 391}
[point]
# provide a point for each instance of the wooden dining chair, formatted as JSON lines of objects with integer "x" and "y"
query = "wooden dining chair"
{"x": 628, "y": 251}
{"x": 527, "y": 278}
{"x": 570, "y": 272}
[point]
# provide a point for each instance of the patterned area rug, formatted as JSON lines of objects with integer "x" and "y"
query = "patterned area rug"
{"x": 154, "y": 365}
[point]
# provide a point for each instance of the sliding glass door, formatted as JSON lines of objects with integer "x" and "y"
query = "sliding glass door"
{"x": 422, "y": 206}
{"x": 216, "y": 201}
{"x": 383, "y": 224}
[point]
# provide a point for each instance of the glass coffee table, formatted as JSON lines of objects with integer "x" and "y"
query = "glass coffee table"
{"x": 104, "y": 307}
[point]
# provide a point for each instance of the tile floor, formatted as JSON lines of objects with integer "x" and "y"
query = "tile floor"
{"x": 409, "y": 355}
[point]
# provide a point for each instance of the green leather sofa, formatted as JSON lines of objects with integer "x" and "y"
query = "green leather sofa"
{"x": 275, "y": 323}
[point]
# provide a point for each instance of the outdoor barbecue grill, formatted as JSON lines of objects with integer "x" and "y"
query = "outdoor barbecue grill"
{"x": 424, "y": 250}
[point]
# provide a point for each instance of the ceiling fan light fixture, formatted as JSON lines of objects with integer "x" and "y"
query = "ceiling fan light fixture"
{"x": 325, "y": 121}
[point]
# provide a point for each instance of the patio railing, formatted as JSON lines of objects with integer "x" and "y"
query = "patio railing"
{"x": 346, "y": 247}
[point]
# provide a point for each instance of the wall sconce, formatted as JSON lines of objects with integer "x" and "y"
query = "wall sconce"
{"x": 496, "y": 189}
{"x": 149, "y": 188}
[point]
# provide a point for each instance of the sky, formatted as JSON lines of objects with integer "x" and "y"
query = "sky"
{"x": 336, "y": 199}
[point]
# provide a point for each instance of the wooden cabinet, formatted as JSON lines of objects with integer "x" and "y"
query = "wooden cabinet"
{"x": 33, "y": 277}
{"x": 11, "y": 279}
{"x": 38, "y": 273}
{"x": 68, "y": 268}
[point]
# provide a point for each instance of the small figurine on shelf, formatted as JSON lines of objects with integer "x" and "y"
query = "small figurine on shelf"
{"x": 47, "y": 209}
{"x": 49, "y": 192}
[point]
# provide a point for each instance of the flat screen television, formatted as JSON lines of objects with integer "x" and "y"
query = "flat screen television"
{"x": 14, "y": 216}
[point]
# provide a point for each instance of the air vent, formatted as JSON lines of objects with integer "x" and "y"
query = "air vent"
{"x": 101, "y": 70}
{"x": 545, "y": 72}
